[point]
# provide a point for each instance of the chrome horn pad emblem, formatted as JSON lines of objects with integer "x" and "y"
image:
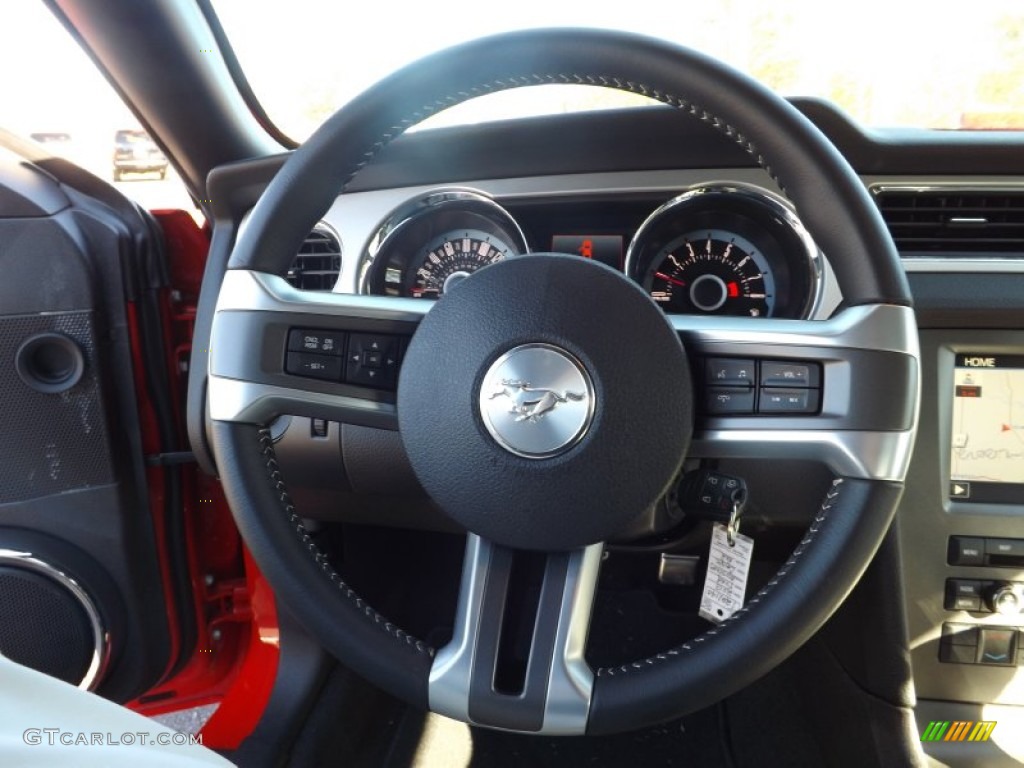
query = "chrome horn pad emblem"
{"x": 537, "y": 401}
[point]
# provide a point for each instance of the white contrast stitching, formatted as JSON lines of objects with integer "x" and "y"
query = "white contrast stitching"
{"x": 826, "y": 504}
{"x": 606, "y": 81}
{"x": 267, "y": 449}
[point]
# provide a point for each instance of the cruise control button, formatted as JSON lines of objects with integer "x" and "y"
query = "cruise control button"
{"x": 729, "y": 400}
{"x": 788, "y": 401}
{"x": 783, "y": 374}
{"x": 727, "y": 372}
{"x": 316, "y": 341}
{"x": 326, "y": 367}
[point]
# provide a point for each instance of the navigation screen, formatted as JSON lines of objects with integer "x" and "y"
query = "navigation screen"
{"x": 987, "y": 459}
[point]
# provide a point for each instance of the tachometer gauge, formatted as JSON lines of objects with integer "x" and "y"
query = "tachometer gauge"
{"x": 727, "y": 249}
{"x": 712, "y": 271}
{"x": 454, "y": 256}
{"x": 431, "y": 242}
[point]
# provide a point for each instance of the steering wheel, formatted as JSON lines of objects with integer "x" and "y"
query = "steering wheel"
{"x": 618, "y": 421}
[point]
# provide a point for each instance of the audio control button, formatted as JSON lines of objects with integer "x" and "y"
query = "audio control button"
{"x": 966, "y": 550}
{"x": 1004, "y": 598}
{"x": 728, "y": 400}
{"x": 1005, "y": 547}
{"x": 963, "y": 595}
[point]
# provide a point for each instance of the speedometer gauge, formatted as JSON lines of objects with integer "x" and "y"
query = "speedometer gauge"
{"x": 453, "y": 257}
{"x": 727, "y": 249}
{"x": 712, "y": 271}
{"x": 433, "y": 241}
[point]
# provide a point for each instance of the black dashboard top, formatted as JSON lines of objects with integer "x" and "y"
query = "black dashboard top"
{"x": 655, "y": 138}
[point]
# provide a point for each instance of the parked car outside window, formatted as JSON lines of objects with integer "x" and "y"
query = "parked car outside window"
{"x": 136, "y": 152}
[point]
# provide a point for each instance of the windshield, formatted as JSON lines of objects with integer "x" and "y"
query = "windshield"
{"x": 942, "y": 64}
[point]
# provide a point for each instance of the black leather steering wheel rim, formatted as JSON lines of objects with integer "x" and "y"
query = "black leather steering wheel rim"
{"x": 837, "y": 211}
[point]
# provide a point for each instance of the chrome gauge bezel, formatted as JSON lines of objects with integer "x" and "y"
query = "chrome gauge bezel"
{"x": 696, "y": 207}
{"x": 398, "y": 245}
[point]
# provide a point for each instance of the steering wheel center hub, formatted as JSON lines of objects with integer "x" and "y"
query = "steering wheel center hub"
{"x": 545, "y": 403}
{"x": 537, "y": 401}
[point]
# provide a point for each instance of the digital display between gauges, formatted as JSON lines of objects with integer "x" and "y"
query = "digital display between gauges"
{"x": 604, "y": 248}
{"x": 712, "y": 271}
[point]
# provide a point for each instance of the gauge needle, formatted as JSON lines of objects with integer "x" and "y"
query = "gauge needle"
{"x": 663, "y": 276}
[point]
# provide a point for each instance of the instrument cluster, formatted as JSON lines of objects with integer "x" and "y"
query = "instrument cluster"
{"x": 716, "y": 249}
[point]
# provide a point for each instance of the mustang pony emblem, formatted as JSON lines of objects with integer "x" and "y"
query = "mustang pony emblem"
{"x": 531, "y": 403}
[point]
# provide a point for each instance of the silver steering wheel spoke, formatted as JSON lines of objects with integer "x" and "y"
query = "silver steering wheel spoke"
{"x": 551, "y": 694}
{"x": 866, "y": 389}
{"x": 867, "y": 357}
{"x": 249, "y": 381}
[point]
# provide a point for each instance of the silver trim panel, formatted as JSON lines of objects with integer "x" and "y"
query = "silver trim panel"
{"x": 451, "y": 672}
{"x": 101, "y": 640}
{"x": 968, "y": 266}
{"x": 878, "y": 184}
{"x": 359, "y": 214}
{"x": 570, "y": 682}
{"x": 246, "y": 290}
{"x": 253, "y": 403}
{"x": 880, "y": 327}
{"x": 867, "y": 455}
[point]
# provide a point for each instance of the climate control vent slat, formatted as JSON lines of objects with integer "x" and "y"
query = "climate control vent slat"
{"x": 318, "y": 263}
{"x": 962, "y": 223}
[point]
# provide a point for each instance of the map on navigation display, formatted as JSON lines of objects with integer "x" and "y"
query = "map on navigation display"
{"x": 988, "y": 422}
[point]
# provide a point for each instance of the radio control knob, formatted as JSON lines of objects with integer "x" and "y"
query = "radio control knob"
{"x": 1005, "y": 600}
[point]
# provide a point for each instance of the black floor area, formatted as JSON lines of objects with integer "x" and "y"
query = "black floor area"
{"x": 356, "y": 726}
{"x": 835, "y": 702}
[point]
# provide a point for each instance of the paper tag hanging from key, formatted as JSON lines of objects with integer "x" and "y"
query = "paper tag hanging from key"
{"x": 725, "y": 585}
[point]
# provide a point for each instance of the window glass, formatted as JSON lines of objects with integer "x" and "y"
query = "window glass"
{"x": 52, "y": 93}
{"x": 942, "y": 64}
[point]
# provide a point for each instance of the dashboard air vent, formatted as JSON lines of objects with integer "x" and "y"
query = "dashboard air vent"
{"x": 963, "y": 223}
{"x": 318, "y": 263}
